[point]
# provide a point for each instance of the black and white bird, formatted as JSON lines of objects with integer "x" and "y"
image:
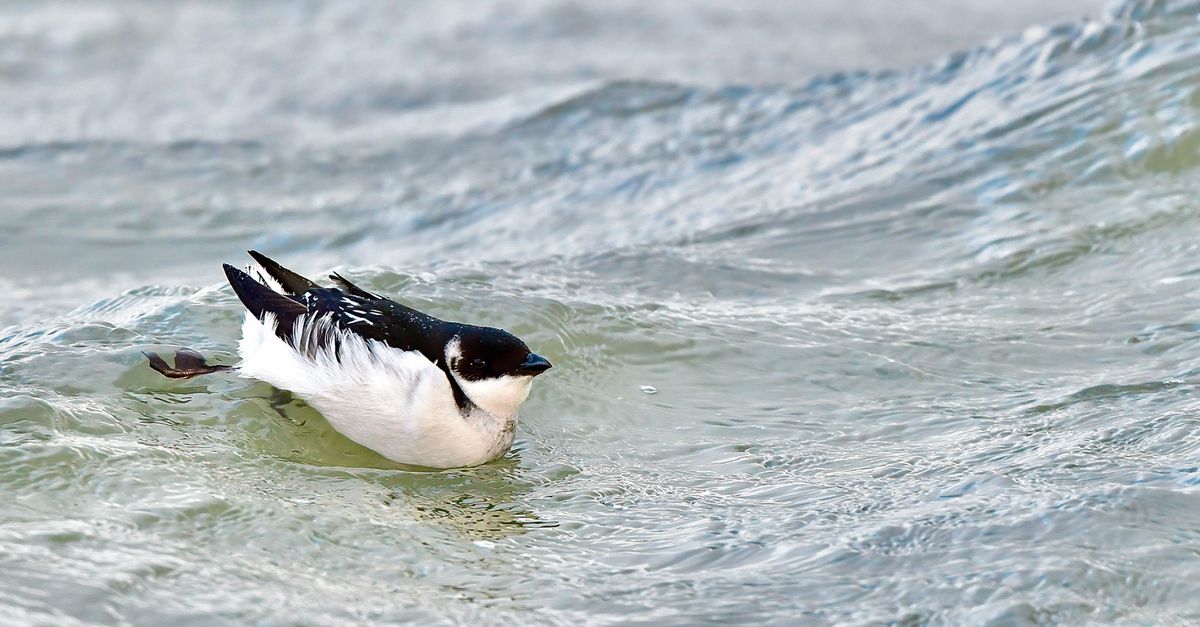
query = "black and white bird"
{"x": 415, "y": 389}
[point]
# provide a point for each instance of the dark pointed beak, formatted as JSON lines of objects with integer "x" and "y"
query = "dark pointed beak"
{"x": 534, "y": 364}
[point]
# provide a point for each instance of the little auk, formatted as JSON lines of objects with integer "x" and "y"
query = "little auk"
{"x": 416, "y": 389}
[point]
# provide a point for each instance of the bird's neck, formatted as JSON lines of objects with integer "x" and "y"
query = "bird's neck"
{"x": 498, "y": 431}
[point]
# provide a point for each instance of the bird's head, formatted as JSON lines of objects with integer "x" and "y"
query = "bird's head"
{"x": 493, "y": 368}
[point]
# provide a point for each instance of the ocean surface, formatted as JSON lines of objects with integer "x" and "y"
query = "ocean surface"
{"x": 861, "y": 313}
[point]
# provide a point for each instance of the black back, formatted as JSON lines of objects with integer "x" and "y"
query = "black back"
{"x": 373, "y": 317}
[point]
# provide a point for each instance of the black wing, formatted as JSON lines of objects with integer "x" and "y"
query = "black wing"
{"x": 354, "y": 310}
{"x": 377, "y": 318}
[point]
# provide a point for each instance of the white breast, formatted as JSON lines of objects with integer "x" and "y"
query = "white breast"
{"x": 394, "y": 402}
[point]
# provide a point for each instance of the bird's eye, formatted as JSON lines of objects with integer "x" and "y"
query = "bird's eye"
{"x": 478, "y": 364}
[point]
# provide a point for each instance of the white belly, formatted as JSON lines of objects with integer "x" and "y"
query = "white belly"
{"x": 394, "y": 402}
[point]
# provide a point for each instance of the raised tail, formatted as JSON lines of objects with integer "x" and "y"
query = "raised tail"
{"x": 262, "y": 300}
{"x": 291, "y": 282}
{"x": 351, "y": 288}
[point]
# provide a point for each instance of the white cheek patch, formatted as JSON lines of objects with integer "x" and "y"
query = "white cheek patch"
{"x": 501, "y": 396}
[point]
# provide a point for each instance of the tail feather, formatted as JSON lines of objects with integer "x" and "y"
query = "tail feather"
{"x": 291, "y": 282}
{"x": 351, "y": 288}
{"x": 261, "y": 300}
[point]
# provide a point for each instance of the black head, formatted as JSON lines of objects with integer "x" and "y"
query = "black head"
{"x": 478, "y": 353}
{"x": 493, "y": 368}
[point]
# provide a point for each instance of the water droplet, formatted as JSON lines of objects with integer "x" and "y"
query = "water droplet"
{"x": 649, "y": 389}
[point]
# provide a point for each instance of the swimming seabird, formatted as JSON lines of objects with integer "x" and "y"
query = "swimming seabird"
{"x": 416, "y": 389}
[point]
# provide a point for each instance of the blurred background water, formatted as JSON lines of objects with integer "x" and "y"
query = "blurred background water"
{"x": 861, "y": 312}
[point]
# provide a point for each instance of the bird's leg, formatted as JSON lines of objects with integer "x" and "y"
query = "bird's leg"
{"x": 188, "y": 363}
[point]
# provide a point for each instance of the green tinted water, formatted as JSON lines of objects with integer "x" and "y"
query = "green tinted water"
{"x": 915, "y": 345}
